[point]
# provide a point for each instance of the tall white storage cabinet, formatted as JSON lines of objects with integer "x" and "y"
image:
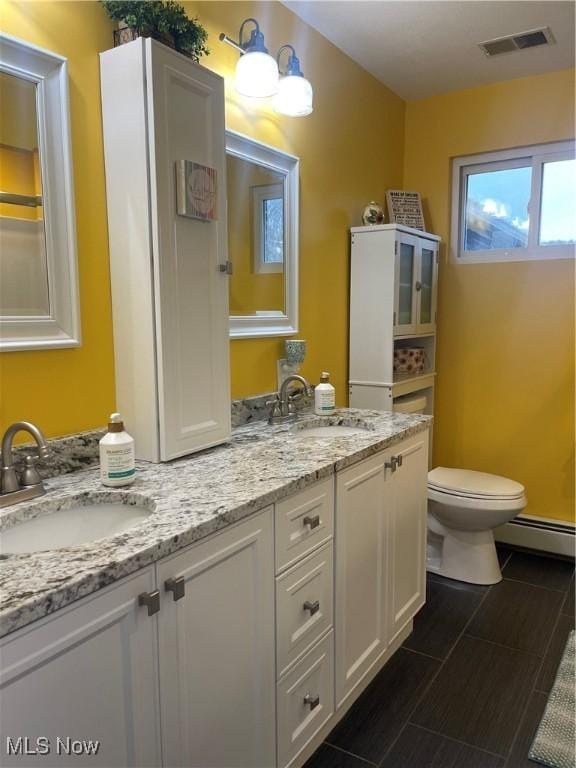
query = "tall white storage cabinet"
{"x": 393, "y": 286}
{"x": 169, "y": 282}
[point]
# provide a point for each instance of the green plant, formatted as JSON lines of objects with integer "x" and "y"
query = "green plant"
{"x": 164, "y": 21}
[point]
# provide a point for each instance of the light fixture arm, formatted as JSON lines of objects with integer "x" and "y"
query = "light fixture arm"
{"x": 256, "y": 41}
{"x": 225, "y": 39}
{"x": 293, "y": 64}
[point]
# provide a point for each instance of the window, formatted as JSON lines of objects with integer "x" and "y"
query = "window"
{"x": 268, "y": 212}
{"x": 515, "y": 205}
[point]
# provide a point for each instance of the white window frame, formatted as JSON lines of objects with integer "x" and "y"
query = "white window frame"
{"x": 259, "y": 195}
{"x": 534, "y": 156}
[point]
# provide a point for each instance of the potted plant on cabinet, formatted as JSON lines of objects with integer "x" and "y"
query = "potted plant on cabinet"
{"x": 164, "y": 21}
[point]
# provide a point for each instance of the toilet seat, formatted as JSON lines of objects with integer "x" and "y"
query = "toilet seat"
{"x": 469, "y": 484}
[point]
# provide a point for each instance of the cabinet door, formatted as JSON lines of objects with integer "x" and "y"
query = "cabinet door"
{"x": 405, "y": 320}
{"x": 89, "y": 673}
{"x": 362, "y": 503}
{"x": 186, "y": 122}
{"x": 217, "y": 651}
{"x": 407, "y": 533}
{"x": 426, "y": 286}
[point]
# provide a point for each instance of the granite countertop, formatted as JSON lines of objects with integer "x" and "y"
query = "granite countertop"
{"x": 190, "y": 497}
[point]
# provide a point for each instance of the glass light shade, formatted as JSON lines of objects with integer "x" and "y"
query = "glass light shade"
{"x": 256, "y": 75}
{"x": 294, "y": 97}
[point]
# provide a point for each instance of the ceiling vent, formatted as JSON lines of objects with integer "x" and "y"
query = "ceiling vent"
{"x": 518, "y": 42}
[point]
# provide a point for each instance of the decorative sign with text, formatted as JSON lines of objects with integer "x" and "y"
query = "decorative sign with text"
{"x": 405, "y": 208}
{"x": 196, "y": 190}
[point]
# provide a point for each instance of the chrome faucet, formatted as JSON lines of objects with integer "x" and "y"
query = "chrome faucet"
{"x": 29, "y": 484}
{"x": 283, "y": 406}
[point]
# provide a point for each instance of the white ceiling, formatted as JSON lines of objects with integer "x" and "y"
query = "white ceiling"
{"x": 422, "y": 47}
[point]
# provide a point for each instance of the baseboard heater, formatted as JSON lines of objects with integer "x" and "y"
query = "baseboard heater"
{"x": 553, "y": 536}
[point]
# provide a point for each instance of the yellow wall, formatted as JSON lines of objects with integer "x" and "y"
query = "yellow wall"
{"x": 71, "y": 389}
{"x": 505, "y": 390}
{"x": 350, "y": 148}
{"x": 350, "y": 151}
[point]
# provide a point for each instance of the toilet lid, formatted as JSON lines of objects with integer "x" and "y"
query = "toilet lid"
{"x": 467, "y": 482}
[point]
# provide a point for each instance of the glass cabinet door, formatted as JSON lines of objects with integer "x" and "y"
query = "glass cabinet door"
{"x": 426, "y": 285}
{"x": 406, "y": 266}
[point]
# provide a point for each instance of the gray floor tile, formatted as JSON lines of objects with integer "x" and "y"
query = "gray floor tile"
{"x": 477, "y": 695}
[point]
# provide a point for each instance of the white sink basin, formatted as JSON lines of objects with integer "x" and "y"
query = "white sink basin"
{"x": 329, "y": 430}
{"x": 74, "y": 525}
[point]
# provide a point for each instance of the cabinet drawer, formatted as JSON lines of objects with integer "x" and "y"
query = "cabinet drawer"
{"x": 305, "y": 700}
{"x": 304, "y": 606}
{"x": 304, "y": 522}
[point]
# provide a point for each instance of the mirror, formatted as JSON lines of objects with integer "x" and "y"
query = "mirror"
{"x": 262, "y": 209}
{"x": 38, "y": 281}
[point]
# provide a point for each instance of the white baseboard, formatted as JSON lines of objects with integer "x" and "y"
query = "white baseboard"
{"x": 554, "y": 536}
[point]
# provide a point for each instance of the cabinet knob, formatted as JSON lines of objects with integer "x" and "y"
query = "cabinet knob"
{"x": 313, "y": 607}
{"x": 312, "y": 521}
{"x": 418, "y": 285}
{"x": 151, "y": 600}
{"x": 176, "y": 586}
{"x": 312, "y": 700}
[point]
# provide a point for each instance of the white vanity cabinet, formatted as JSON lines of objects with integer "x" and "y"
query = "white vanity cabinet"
{"x": 216, "y": 633}
{"x": 380, "y": 558}
{"x": 363, "y": 501}
{"x": 168, "y": 270}
{"x": 406, "y": 571}
{"x": 242, "y": 650}
{"x": 87, "y": 672}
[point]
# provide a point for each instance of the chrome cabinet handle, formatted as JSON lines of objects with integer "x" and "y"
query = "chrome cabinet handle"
{"x": 394, "y": 463}
{"x": 311, "y": 521}
{"x": 312, "y": 700}
{"x": 313, "y": 607}
{"x": 151, "y": 600}
{"x": 226, "y": 268}
{"x": 176, "y": 586}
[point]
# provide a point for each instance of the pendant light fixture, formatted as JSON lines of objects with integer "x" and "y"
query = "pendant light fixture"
{"x": 256, "y": 70}
{"x": 294, "y": 96}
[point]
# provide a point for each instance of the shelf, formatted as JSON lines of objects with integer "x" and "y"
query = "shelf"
{"x": 405, "y": 383}
{"x": 414, "y": 335}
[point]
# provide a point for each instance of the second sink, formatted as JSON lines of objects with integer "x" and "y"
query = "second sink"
{"x": 330, "y": 427}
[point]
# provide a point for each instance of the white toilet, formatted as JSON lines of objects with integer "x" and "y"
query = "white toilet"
{"x": 463, "y": 508}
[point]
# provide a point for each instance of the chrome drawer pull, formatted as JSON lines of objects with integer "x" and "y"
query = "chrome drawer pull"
{"x": 311, "y": 522}
{"x": 151, "y": 600}
{"x": 176, "y": 586}
{"x": 313, "y": 607}
{"x": 312, "y": 700}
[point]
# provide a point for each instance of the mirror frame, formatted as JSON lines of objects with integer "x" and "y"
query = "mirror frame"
{"x": 254, "y": 326}
{"x": 61, "y": 328}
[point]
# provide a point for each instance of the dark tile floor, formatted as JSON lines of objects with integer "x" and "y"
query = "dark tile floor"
{"x": 469, "y": 686}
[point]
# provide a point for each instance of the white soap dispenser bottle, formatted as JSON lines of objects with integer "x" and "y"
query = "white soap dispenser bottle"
{"x": 324, "y": 396}
{"x": 117, "y": 460}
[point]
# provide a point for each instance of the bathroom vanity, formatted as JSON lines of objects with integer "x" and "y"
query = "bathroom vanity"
{"x": 239, "y": 621}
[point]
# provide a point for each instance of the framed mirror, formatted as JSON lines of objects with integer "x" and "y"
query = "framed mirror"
{"x": 262, "y": 210}
{"x": 39, "y": 306}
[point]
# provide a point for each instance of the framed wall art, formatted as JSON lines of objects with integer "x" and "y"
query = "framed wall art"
{"x": 196, "y": 189}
